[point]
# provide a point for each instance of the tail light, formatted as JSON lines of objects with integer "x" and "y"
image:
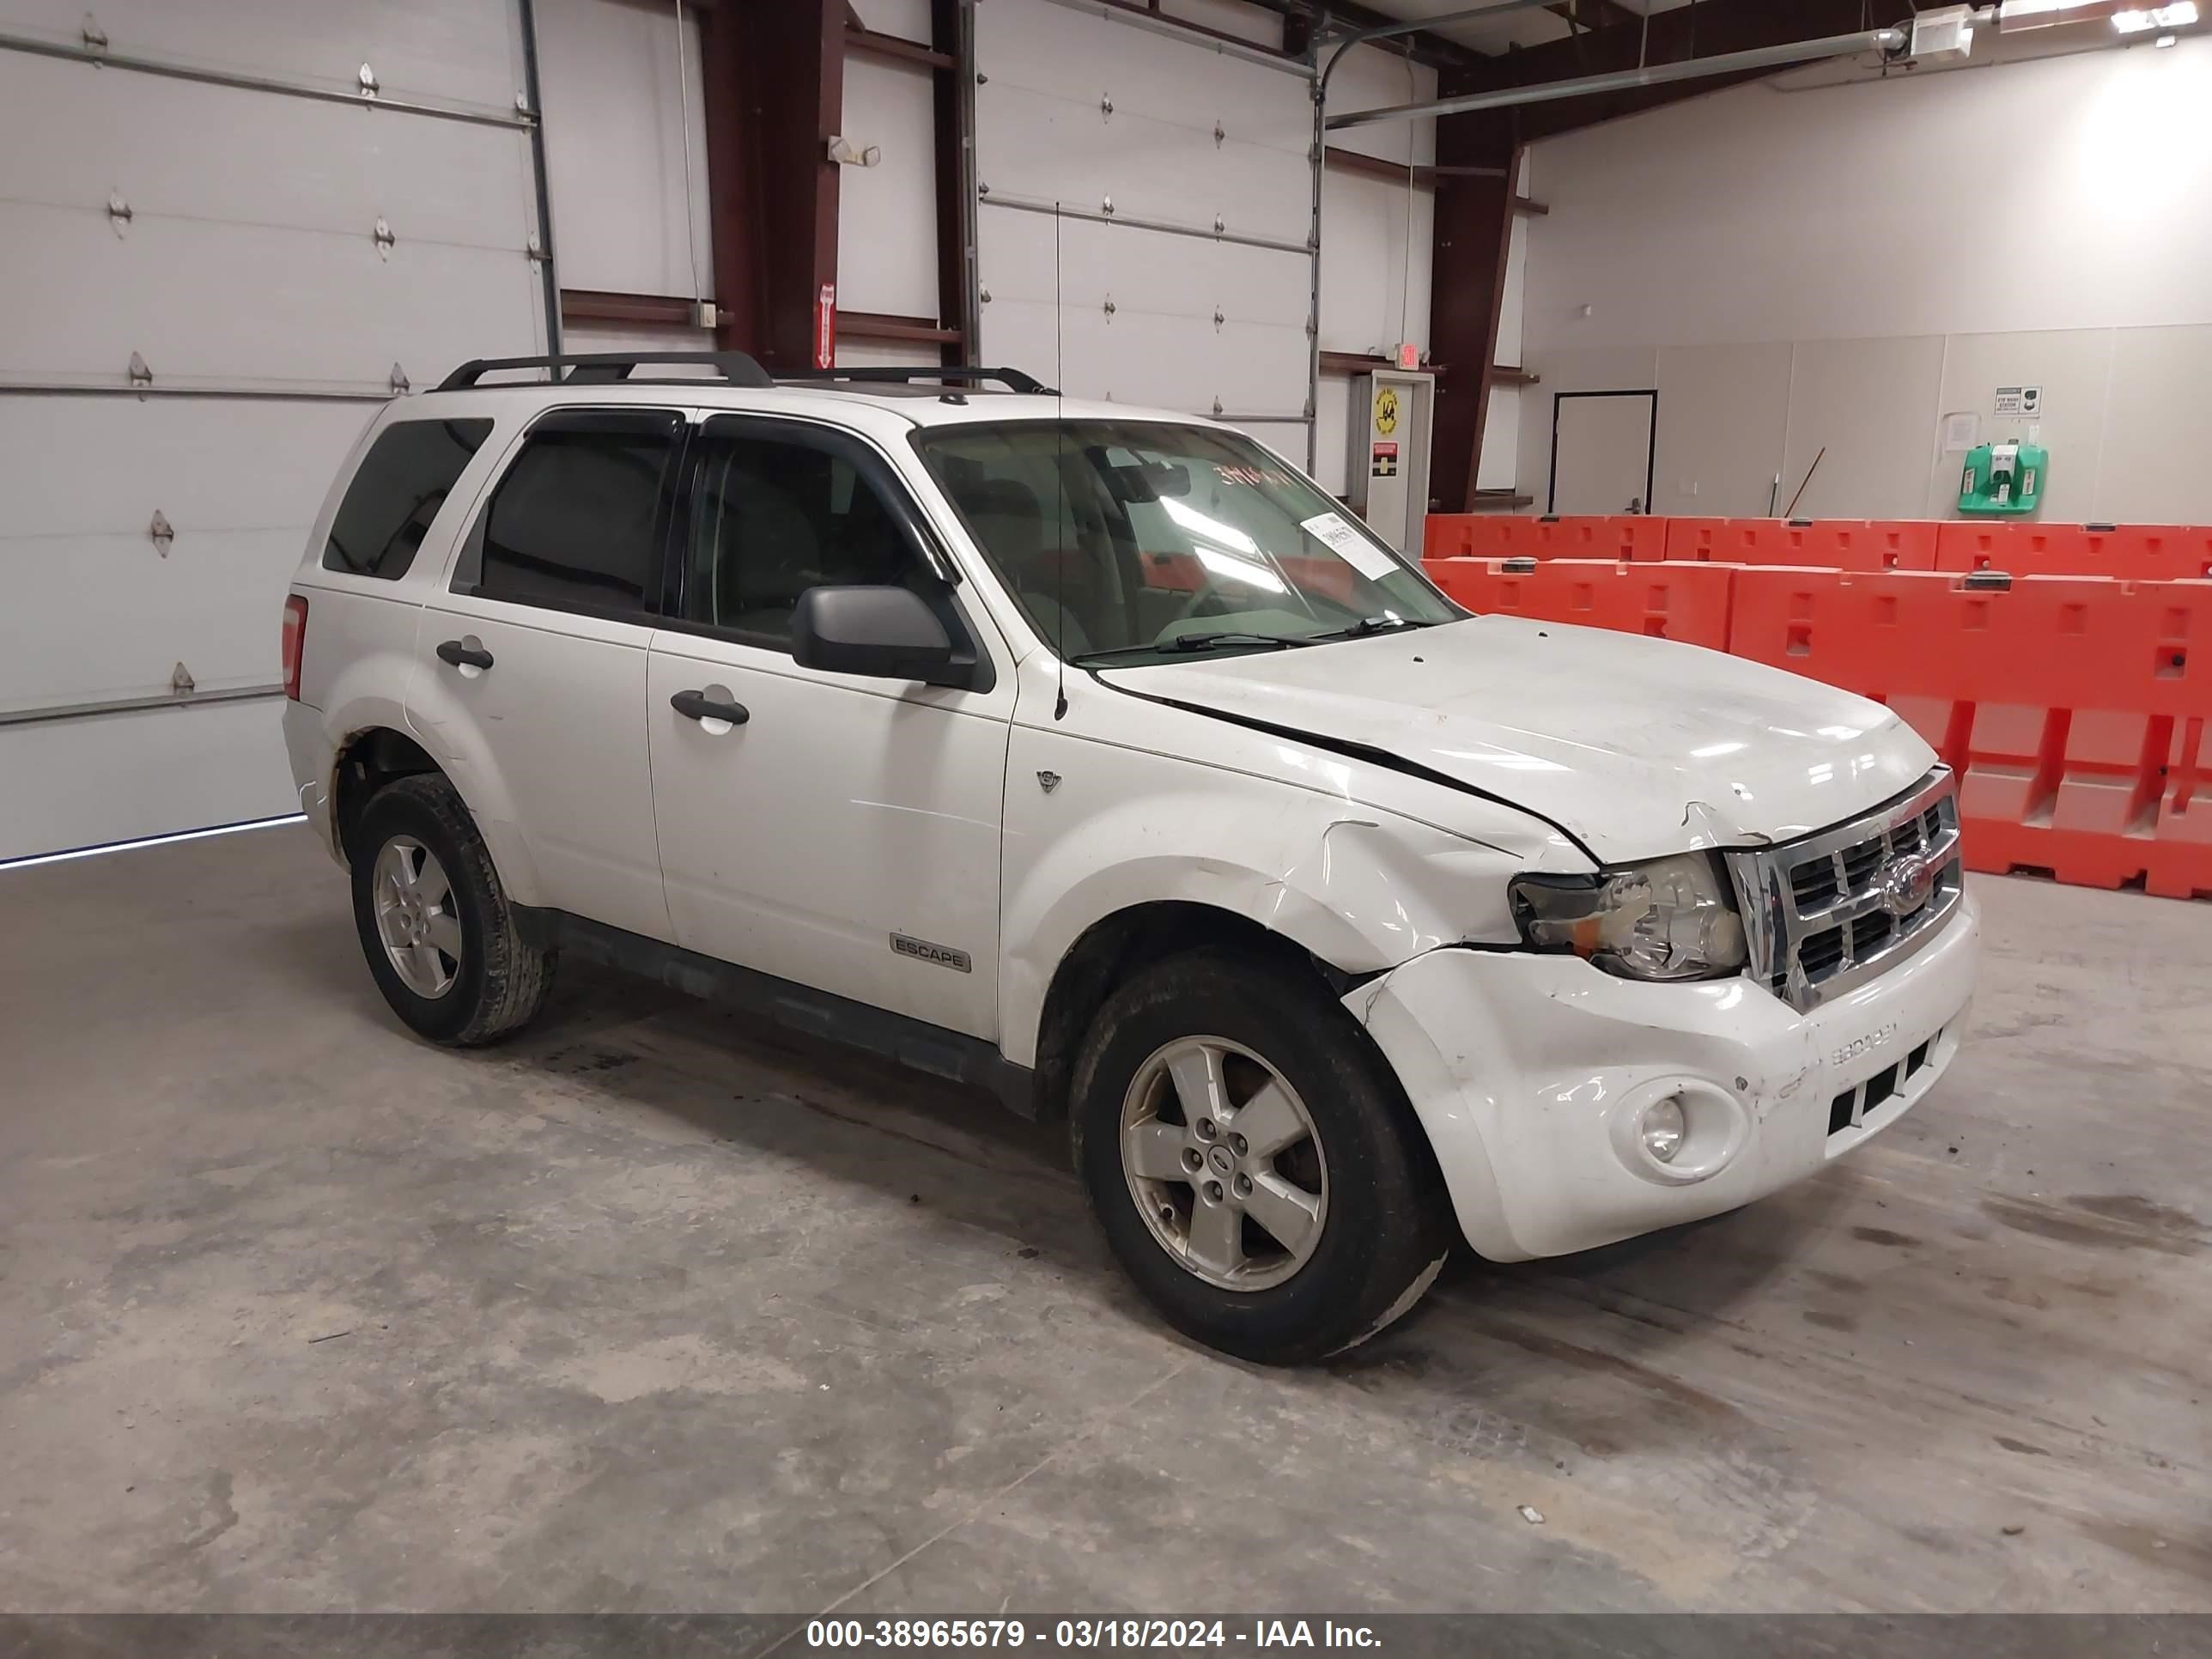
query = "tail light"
{"x": 295, "y": 640}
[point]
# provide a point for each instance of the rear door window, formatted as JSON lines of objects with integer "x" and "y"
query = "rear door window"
{"x": 396, "y": 493}
{"x": 578, "y": 519}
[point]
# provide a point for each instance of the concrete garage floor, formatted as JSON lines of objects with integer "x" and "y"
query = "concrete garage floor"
{"x": 651, "y": 1311}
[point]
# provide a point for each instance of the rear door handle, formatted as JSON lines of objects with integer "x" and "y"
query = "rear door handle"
{"x": 698, "y": 706}
{"x": 459, "y": 653}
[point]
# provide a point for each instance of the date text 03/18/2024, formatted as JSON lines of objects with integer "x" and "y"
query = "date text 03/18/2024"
{"x": 1171, "y": 1635}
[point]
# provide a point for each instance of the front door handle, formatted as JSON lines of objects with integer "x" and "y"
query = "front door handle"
{"x": 460, "y": 654}
{"x": 698, "y": 706}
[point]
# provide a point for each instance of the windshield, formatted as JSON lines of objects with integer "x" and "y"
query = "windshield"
{"x": 1128, "y": 542}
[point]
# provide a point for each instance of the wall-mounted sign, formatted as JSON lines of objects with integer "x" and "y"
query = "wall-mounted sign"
{"x": 1386, "y": 410}
{"x": 825, "y": 327}
{"x": 2019, "y": 402}
{"x": 1962, "y": 430}
{"x": 1386, "y": 461}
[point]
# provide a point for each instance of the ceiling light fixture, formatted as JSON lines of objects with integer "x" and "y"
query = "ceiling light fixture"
{"x": 2179, "y": 15}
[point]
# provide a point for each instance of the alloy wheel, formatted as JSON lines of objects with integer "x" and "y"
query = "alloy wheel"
{"x": 1224, "y": 1162}
{"x": 414, "y": 917}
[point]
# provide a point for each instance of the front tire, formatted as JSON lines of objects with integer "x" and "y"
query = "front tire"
{"x": 435, "y": 922}
{"x": 1253, "y": 1161}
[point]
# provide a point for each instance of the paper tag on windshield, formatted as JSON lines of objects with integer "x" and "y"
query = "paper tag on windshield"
{"x": 1355, "y": 550}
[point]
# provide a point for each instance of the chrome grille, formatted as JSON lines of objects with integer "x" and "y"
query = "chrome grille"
{"x": 1831, "y": 910}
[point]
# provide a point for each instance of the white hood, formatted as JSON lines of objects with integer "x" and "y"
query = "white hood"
{"x": 1637, "y": 747}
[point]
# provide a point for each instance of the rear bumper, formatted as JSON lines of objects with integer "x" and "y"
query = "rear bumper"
{"x": 314, "y": 762}
{"x": 1531, "y": 1072}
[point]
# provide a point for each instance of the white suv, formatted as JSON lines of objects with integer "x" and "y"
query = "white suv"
{"x": 1097, "y": 757}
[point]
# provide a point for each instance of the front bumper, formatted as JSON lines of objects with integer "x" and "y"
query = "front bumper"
{"x": 1530, "y": 1074}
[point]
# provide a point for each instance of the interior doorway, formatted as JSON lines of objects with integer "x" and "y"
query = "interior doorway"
{"x": 1604, "y": 452}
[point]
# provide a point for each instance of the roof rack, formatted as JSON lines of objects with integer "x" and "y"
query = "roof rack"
{"x": 601, "y": 367}
{"x": 1013, "y": 379}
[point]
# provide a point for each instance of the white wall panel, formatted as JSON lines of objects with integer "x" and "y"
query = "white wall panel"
{"x": 1754, "y": 215}
{"x": 1332, "y": 416}
{"x": 888, "y": 353}
{"x": 1160, "y": 344}
{"x": 1868, "y": 403}
{"x": 1192, "y": 136}
{"x": 1286, "y": 439}
{"x": 184, "y": 150}
{"x": 2153, "y": 466}
{"x": 1619, "y": 369}
{"x": 463, "y": 51}
{"x": 83, "y": 478}
{"x": 104, "y": 465}
{"x": 2074, "y": 366}
{"x": 115, "y": 617}
{"x": 1375, "y": 267}
{"x": 1499, "y": 466}
{"x": 1371, "y": 78}
{"x": 117, "y": 777}
{"x": 581, "y": 338}
{"x": 1723, "y": 413}
{"x": 616, "y": 130}
{"x": 1195, "y": 135}
{"x": 1501, "y": 438}
{"x": 193, "y": 298}
{"x": 1040, "y": 147}
{"x": 908, "y": 19}
{"x": 1078, "y": 55}
{"x": 887, "y": 213}
{"x": 249, "y": 264}
{"x": 1810, "y": 212}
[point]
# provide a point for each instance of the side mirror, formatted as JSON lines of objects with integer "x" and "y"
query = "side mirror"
{"x": 890, "y": 632}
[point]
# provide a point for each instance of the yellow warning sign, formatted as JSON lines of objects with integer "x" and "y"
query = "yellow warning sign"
{"x": 1386, "y": 410}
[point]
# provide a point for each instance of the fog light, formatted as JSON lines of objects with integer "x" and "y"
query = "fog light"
{"x": 1662, "y": 1127}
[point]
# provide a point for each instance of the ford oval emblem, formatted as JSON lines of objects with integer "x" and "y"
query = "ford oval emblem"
{"x": 1905, "y": 883}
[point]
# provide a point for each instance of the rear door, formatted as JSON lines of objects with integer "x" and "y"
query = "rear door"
{"x": 529, "y": 679}
{"x": 845, "y": 835}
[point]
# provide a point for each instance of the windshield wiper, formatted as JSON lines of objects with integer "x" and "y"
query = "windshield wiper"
{"x": 1183, "y": 644}
{"x": 1371, "y": 625}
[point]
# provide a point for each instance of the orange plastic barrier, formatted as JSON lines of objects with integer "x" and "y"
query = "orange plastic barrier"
{"x": 1687, "y": 604}
{"x": 1182, "y": 573}
{"x": 2140, "y": 552}
{"x": 2066, "y": 705}
{"x": 1504, "y": 536}
{"x": 1834, "y": 543}
{"x": 1466, "y": 536}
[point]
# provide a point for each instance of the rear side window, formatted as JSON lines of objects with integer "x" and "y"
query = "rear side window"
{"x": 576, "y": 523}
{"x": 402, "y": 482}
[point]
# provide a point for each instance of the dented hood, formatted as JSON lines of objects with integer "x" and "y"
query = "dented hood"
{"x": 1637, "y": 747}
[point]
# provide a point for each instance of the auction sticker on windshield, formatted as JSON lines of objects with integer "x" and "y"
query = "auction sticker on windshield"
{"x": 1361, "y": 555}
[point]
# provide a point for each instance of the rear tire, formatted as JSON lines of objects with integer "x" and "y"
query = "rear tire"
{"x": 1296, "y": 1214}
{"x": 435, "y": 922}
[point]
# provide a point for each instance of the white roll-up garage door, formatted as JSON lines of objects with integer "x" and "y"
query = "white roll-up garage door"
{"x": 226, "y": 228}
{"x": 1143, "y": 216}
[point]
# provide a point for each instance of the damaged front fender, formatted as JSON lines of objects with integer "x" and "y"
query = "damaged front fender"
{"x": 1360, "y": 888}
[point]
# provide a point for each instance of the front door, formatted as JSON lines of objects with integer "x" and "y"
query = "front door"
{"x": 530, "y": 682}
{"x": 844, "y": 834}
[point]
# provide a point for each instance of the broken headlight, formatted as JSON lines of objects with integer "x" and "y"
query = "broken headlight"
{"x": 1670, "y": 917}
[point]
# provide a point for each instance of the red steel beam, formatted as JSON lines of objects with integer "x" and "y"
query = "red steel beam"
{"x": 773, "y": 81}
{"x": 953, "y": 144}
{"x": 1473, "y": 233}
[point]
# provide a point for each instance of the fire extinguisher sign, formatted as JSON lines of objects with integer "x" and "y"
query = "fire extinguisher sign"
{"x": 825, "y": 327}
